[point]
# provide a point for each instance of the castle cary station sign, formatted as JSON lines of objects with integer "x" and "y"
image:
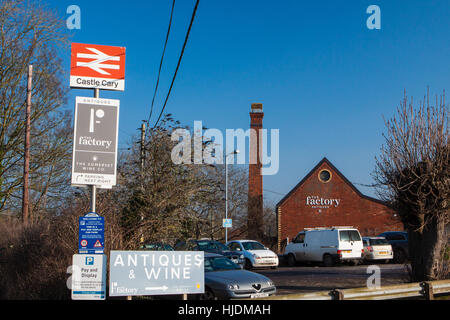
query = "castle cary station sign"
{"x": 97, "y": 66}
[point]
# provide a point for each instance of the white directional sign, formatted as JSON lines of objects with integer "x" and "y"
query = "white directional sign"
{"x": 95, "y": 142}
{"x": 142, "y": 273}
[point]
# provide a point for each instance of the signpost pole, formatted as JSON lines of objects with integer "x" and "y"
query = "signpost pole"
{"x": 93, "y": 187}
{"x": 226, "y": 197}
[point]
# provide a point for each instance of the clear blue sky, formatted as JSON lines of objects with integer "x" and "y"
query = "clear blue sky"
{"x": 324, "y": 78}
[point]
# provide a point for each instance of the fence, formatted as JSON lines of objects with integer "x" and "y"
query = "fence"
{"x": 425, "y": 290}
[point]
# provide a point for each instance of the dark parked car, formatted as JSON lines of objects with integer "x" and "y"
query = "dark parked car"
{"x": 157, "y": 246}
{"x": 226, "y": 280}
{"x": 399, "y": 242}
{"x": 211, "y": 246}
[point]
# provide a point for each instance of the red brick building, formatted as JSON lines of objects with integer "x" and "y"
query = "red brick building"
{"x": 325, "y": 198}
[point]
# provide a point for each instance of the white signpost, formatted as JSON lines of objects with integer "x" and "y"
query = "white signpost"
{"x": 143, "y": 273}
{"x": 88, "y": 277}
{"x": 95, "y": 145}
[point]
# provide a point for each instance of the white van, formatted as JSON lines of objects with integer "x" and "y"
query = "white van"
{"x": 327, "y": 245}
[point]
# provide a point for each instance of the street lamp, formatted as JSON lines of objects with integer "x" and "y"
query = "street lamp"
{"x": 226, "y": 191}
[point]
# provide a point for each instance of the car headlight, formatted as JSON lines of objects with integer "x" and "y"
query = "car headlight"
{"x": 241, "y": 257}
{"x": 233, "y": 287}
{"x": 270, "y": 283}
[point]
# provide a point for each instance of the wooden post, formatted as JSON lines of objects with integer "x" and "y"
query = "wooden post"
{"x": 427, "y": 290}
{"x": 26, "y": 166}
{"x": 337, "y": 294}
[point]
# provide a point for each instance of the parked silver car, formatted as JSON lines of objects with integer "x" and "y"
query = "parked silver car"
{"x": 256, "y": 254}
{"x": 226, "y": 280}
{"x": 377, "y": 249}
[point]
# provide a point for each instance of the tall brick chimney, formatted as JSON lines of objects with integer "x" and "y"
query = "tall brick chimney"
{"x": 255, "y": 181}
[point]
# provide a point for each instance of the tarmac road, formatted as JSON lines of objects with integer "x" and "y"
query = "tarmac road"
{"x": 302, "y": 279}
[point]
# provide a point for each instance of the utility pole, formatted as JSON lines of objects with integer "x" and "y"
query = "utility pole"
{"x": 26, "y": 167}
{"x": 142, "y": 147}
{"x": 142, "y": 158}
{"x": 226, "y": 191}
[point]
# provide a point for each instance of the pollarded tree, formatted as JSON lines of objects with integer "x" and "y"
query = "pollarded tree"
{"x": 414, "y": 168}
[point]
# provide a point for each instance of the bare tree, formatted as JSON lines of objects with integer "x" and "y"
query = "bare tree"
{"x": 170, "y": 202}
{"x": 31, "y": 34}
{"x": 414, "y": 170}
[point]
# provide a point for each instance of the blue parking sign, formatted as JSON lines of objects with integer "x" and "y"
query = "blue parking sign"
{"x": 91, "y": 234}
{"x": 227, "y": 223}
{"x": 89, "y": 261}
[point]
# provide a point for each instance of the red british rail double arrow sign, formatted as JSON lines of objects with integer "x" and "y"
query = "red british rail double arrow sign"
{"x": 97, "y": 66}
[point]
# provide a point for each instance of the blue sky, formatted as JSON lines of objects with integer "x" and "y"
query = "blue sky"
{"x": 324, "y": 78}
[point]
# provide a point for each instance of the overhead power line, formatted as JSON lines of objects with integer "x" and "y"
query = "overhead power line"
{"x": 278, "y": 193}
{"x": 161, "y": 62}
{"x": 179, "y": 62}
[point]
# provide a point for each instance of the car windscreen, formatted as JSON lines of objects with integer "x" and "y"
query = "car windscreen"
{"x": 219, "y": 264}
{"x": 374, "y": 242}
{"x": 152, "y": 246}
{"x": 205, "y": 245}
{"x": 221, "y": 246}
{"x": 252, "y": 245}
{"x": 349, "y": 235}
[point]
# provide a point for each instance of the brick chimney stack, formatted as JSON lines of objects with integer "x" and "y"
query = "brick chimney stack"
{"x": 255, "y": 181}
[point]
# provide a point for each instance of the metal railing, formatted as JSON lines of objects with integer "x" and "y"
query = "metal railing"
{"x": 426, "y": 290}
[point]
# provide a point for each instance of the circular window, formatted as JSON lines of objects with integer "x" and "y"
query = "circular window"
{"x": 324, "y": 176}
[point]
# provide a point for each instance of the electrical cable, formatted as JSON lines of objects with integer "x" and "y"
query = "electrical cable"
{"x": 161, "y": 62}
{"x": 179, "y": 62}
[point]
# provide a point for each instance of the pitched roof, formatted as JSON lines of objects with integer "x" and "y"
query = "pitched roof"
{"x": 325, "y": 160}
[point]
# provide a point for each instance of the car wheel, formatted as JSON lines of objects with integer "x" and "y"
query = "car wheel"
{"x": 353, "y": 262}
{"x": 274, "y": 267}
{"x": 248, "y": 264}
{"x": 208, "y": 295}
{"x": 399, "y": 256}
{"x": 328, "y": 260}
{"x": 291, "y": 260}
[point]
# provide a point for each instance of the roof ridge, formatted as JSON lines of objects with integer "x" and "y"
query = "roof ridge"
{"x": 348, "y": 182}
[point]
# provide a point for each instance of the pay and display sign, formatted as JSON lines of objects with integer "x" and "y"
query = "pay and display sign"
{"x": 142, "y": 273}
{"x": 95, "y": 142}
{"x": 88, "y": 280}
{"x": 97, "y": 66}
